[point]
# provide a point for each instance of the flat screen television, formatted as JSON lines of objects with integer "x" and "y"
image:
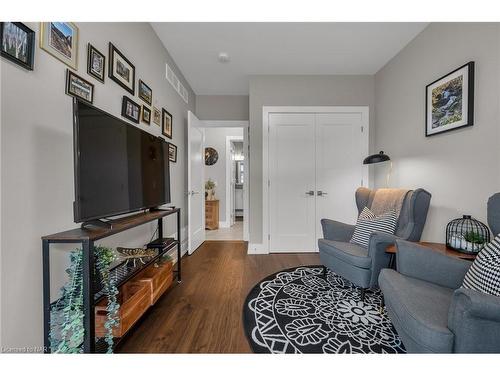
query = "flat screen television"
{"x": 119, "y": 168}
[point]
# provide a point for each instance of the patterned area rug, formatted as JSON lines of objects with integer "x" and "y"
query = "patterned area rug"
{"x": 299, "y": 311}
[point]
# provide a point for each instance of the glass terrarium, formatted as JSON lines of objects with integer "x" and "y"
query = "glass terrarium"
{"x": 467, "y": 234}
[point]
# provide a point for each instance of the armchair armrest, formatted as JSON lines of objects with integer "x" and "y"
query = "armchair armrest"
{"x": 474, "y": 319}
{"x": 426, "y": 264}
{"x": 376, "y": 251}
{"x": 337, "y": 231}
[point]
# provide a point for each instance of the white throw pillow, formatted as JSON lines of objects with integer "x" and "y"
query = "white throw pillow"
{"x": 368, "y": 223}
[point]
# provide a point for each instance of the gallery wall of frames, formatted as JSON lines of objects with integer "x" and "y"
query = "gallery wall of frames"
{"x": 61, "y": 40}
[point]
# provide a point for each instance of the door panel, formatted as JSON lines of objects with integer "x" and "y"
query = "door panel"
{"x": 339, "y": 166}
{"x": 292, "y": 175}
{"x": 196, "y": 191}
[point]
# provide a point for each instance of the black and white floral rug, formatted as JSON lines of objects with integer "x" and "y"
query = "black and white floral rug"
{"x": 299, "y": 311}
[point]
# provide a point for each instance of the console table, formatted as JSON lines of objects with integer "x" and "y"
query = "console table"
{"x": 86, "y": 237}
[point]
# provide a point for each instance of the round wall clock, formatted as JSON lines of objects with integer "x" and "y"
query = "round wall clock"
{"x": 211, "y": 156}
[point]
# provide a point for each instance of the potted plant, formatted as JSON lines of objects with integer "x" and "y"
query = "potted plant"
{"x": 210, "y": 189}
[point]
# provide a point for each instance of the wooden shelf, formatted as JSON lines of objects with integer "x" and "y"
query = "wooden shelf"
{"x": 119, "y": 225}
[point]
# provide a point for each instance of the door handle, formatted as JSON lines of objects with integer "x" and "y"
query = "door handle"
{"x": 192, "y": 192}
{"x": 310, "y": 192}
{"x": 321, "y": 193}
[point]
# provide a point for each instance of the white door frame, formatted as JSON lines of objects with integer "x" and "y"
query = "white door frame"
{"x": 266, "y": 111}
{"x": 245, "y": 125}
{"x": 229, "y": 139}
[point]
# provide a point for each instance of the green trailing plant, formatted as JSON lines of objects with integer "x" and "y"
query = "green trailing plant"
{"x": 210, "y": 185}
{"x": 67, "y": 331}
{"x": 474, "y": 237}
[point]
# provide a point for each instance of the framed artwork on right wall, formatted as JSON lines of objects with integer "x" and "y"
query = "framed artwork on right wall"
{"x": 449, "y": 101}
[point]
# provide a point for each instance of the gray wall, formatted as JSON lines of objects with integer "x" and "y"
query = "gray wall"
{"x": 37, "y": 162}
{"x": 216, "y": 138}
{"x": 295, "y": 91}
{"x": 460, "y": 168}
{"x": 222, "y": 107}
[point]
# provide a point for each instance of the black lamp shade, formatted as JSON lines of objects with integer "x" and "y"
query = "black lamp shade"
{"x": 376, "y": 158}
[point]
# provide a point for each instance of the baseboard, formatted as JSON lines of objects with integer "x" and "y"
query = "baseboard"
{"x": 257, "y": 248}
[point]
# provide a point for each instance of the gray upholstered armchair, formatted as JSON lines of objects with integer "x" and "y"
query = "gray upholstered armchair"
{"x": 428, "y": 307}
{"x": 362, "y": 265}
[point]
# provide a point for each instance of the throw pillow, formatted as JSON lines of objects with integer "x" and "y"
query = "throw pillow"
{"x": 368, "y": 223}
{"x": 484, "y": 273}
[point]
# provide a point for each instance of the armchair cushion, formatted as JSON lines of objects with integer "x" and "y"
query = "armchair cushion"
{"x": 484, "y": 274}
{"x": 419, "y": 311}
{"x": 368, "y": 223}
{"x": 347, "y": 252}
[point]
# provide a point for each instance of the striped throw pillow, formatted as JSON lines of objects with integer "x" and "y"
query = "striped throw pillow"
{"x": 484, "y": 273}
{"x": 368, "y": 223}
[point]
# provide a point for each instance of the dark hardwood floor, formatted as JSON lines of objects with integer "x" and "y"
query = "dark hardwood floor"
{"x": 203, "y": 314}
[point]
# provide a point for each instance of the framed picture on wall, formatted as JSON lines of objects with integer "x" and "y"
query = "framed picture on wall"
{"x": 166, "y": 128}
{"x": 172, "y": 153}
{"x": 449, "y": 101}
{"x": 130, "y": 109}
{"x": 146, "y": 115}
{"x": 156, "y": 116}
{"x": 96, "y": 63}
{"x": 79, "y": 87}
{"x": 18, "y": 43}
{"x": 60, "y": 39}
{"x": 121, "y": 70}
{"x": 145, "y": 92}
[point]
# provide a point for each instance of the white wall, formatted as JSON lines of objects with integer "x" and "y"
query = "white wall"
{"x": 216, "y": 138}
{"x": 222, "y": 107}
{"x": 37, "y": 162}
{"x": 460, "y": 168}
{"x": 286, "y": 90}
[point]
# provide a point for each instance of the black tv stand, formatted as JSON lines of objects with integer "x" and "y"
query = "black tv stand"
{"x": 98, "y": 223}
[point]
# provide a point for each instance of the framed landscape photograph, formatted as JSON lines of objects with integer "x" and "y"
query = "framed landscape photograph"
{"x": 145, "y": 93}
{"x": 60, "y": 39}
{"x": 130, "y": 109}
{"x": 146, "y": 115}
{"x": 121, "y": 70}
{"x": 166, "y": 127}
{"x": 172, "y": 153}
{"x": 449, "y": 101}
{"x": 96, "y": 63}
{"x": 156, "y": 116}
{"x": 18, "y": 43}
{"x": 79, "y": 87}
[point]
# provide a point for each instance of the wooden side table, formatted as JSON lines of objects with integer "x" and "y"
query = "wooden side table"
{"x": 212, "y": 214}
{"x": 439, "y": 247}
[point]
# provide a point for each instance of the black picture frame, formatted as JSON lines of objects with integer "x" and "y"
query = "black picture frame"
{"x": 125, "y": 101}
{"x": 91, "y": 50}
{"x": 165, "y": 125}
{"x": 30, "y": 50}
{"x": 172, "y": 152}
{"x": 142, "y": 89}
{"x": 144, "y": 118}
{"x": 111, "y": 74}
{"x": 469, "y": 105}
{"x": 70, "y": 90}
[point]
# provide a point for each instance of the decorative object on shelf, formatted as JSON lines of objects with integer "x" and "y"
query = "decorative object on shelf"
{"x": 156, "y": 116}
{"x": 449, "y": 101}
{"x": 18, "y": 43}
{"x": 210, "y": 189}
{"x": 130, "y": 109}
{"x": 211, "y": 156}
{"x": 121, "y": 70}
{"x": 146, "y": 115}
{"x": 67, "y": 311}
{"x": 467, "y": 234}
{"x": 166, "y": 128}
{"x": 172, "y": 153}
{"x": 79, "y": 87}
{"x": 145, "y": 92}
{"x": 380, "y": 158}
{"x": 135, "y": 253}
{"x": 96, "y": 63}
{"x": 60, "y": 39}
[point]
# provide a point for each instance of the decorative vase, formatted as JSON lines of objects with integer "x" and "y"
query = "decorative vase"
{"x": 211, "y": 194}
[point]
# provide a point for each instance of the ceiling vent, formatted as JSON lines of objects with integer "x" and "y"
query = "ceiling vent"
{"x": 176, "y": 84}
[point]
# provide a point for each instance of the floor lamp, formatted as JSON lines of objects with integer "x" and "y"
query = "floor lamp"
{"x": 380, "y": 158}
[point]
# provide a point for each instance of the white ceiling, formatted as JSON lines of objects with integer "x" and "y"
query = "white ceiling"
{"x": 279, "y": 48}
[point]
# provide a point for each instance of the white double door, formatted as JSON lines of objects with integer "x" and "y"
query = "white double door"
{"x": 315, "y": 166}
